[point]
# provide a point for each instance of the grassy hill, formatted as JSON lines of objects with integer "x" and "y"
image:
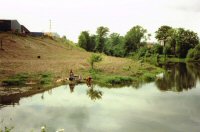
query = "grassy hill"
{"x": 20, "y": 54}
{"x": 35, "y": 55}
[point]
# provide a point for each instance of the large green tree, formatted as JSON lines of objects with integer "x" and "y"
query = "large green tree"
{"x": 172, "y": 40}
{"x": 101, "y": 38}
{"x": 163, "y": 33}
{"x": 185, "y": 40}
{"x": 114, "y": 45}
{"x": 84, "y": 40}
{"x": 92, "y": 42}
{"x": 177, "y": 41}
{"x": 133, "y": 39}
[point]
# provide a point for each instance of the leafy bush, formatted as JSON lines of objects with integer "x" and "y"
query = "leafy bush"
{"x": 148, "y": 77}
{"x": 194, "y": 54}
{"x": 46, "y": 78}
{"x": 166, "y": 50}
{"x": 94, "y": 58}
{"x": 119, "y": 80}
{"x": 190, "y": 54}
{"x": 157, "y": 49}
{"x": 142, "y": 51}
{"x": 147, "y": 54}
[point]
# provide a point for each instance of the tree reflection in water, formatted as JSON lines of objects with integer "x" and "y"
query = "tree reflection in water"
{"x": 94, "y": 94}
{"x": 179, "y": 77}
{"x": 91, "y": 92}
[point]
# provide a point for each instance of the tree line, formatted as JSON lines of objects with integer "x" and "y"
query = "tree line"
{"x": 172, "y": 41}
{"x": 177, "y": 41}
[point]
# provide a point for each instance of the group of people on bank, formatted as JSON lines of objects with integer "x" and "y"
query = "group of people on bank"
{"x": 73, "y": 77}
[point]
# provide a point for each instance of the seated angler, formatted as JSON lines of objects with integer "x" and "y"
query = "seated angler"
{"x": 71, "y": 75}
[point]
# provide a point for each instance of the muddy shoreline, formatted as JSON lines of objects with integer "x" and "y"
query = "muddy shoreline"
{"x": 12, "y": 95}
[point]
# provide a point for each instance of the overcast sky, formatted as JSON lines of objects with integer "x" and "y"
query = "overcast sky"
{"x": 70, "y": 17}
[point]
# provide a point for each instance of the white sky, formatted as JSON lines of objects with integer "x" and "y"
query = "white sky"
{"x": 70, "y": 17}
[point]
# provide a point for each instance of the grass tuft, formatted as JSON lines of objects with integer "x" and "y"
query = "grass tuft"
{"x": 16, "y": 80}
{"x": 46, "y": 78}
{"x": 148, "y": 77}
{"x": 23, "y": 78}
{"x": 119, "y": 80}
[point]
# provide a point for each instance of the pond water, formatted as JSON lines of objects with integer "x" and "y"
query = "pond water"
{"x": 171, "y": 103}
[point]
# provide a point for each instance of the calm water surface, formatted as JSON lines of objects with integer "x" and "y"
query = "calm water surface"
{"x": 170, "y": 104}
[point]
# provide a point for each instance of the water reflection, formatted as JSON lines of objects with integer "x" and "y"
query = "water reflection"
{"x": 179, "y": 77}
{"x": 94, "y": 94}
{"x": 72, "y": 86}
{"x": 91, "y": 92}
{"x": 42, "y": 96}
{"x": 194, "y": 68}
{"x": 10, "y": 100}
{"x": 126, "y": 109}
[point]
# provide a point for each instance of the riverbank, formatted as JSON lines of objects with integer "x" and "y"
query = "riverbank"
{"x": 161, "y": 59}
{"x": 33, "y": 61}
{"x": 110, "y": 72}
{"x": 174, "y": 59}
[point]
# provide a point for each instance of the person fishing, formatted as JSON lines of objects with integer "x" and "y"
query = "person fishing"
{"x": 71, "y": 75}
{"x": 89, "y": 81}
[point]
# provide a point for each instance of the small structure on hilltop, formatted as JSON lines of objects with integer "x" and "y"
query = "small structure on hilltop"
{"x": 10, "y": 25}
{"x": 37, "y": 34}
{"x": 24, "y": 30}
{"x": 15, "y": 27}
